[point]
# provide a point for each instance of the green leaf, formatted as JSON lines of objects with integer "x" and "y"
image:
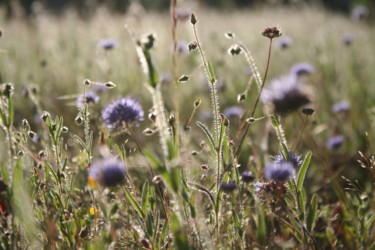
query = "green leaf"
{"x": 312, "y": 215}
{"x": 4, "y": 173}
{"x": 302, "y": 171}
{"x": 285, "y": 152}
{"x": 208, "y": 134}
{"x": 114, "y": 209}
{"x": 145, "y": 195}
{"x": 10, "y": 112}
{"x": 134, "y": 203}
{"x": 180, "y": 239}
{"x": 154, "y": 161}
{"x": 153, "y": 77}
{"x": 261, "y": 229}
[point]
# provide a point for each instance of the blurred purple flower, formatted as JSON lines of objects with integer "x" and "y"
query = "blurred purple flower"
{"x": 359, "y": 12}
{"x": 182, "y": 48}
{"x": 125, "y": 111}
{"x": 108, "y": 172}
{"x": 166, "y": 78}
{"x": 286, "y": 94}
{"x": 293, "y": 158}
{"x": 342, "y": 106}
{"x": 182, "y": 14}
{"x": 335, "y": 142}
{"x": 347, "y": 38}
{"x": 279, "y": 171}
{"x": 284, "y": 42}
{"x": 107, "y": 44}
{"x": 233, "y": 111}
{"x": 228, "y": 187}
{"x": 91, "y": 98}
{"x": 302, "y": 68}
{"x": 247, "y": 176}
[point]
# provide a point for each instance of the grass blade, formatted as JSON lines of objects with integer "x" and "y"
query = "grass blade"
{"x": 302, "y": 171}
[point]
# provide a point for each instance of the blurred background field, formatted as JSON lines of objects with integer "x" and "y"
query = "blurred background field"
{"x": 55, "y": 45}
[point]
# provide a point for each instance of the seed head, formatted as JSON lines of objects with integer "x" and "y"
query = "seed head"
{"x": 272, "y": 32}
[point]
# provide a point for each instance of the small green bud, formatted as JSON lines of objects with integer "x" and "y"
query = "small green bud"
{"x": 110, "y": 85}
{"x": 183, "y": 78}
{"x": 197, "y": 102}
{"x": 193, "y": 19}
{"x": 79, "y": 120}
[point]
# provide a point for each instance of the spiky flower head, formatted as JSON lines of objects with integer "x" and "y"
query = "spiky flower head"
{"x": 123, "y": 112}
{"x": 303, "y": 68}
{"x": 247, "y": 176}
{"x": 91, "y": 98}
{"x": 282, "y": 171}
{"x": 272, "y": 32}
{"x": 107, "y": 44}
{"x": 293, "y": 158}
{"x": 335, "y": 142}
{"x": 286, "y": 94}
{"x": 108, "y": 172}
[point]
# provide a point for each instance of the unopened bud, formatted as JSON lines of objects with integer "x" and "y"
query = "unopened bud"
{"x": 193, "y": 19}
{"x": 110, "y": 85}
{"x": 197, "y": 102}
{"x": 183, "y": 78}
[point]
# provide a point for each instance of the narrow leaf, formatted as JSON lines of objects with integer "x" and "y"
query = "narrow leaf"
{"x": 134, "y": 203}
{"x": 302, "y": 171}
{"x": 145, "y": 195}
{"x": 208, "y": 134}
{"x": 313, "y": 212}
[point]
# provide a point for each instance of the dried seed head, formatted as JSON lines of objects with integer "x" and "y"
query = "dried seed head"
{"x": 308, "y": 110}
{"x": 172, "y": 120}
{"x": 230, "y": 35}
{"x": 241, "y": 98}
{"x": 64, "y": 129}
{"x": 78, "y": 120}
{"x": 110, "y": 85}
{"x": 156, "y": 179}
{"x": 183, "y": 78}
{"x": 87, "y": 82}
{"x": 234, "y": 50}
{"x": 192, "y": 46}
{"x": 272, "y": 32}
{"x": 197, "y": 103}
{"x": 7, "y": 89}
{"x": 152, "y": 117}
{"x": 204, "y": 167}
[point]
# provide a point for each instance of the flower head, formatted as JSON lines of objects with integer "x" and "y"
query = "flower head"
{"x": 125, "y": 111}
{"x": 279, "y": 171}
{"x": 302, "y": 68}
{"x": 107, "y": 44}
{"x": 342, "y": 106}
{"x": 284, "y": 42}
{"x": 293, "y": 158}
{"x": 335, "y": 142}
{"x": 247, "y": 176}
{"x": 233, "y": 111}
{"x": 272, "y": 32}
{"x": 359, "y": 12}
{"x": 183, "y": 14}
{"x": 91, "y": 98}
{"x": 228, "y": 187}
{"x": 286, "y": 94}
{"x": 347, "y": 38}
{"x": 108, "y": 172}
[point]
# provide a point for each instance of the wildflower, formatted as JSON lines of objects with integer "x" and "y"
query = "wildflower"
{"x": 258, "y": 186}
{"x": 359, "y": 12}
{"x": 284, "y": 42}
{"x": 271, "y": 32}
{"x": 107, "y": 44}
{"x": 228, "y": 187}
{"x": 182, "y": 48}
{"x": 233, "y": 111}
{"x": 335, "y": 142}
{"x": 108, "y": 172}
{"x": 286, "y": 94}
{"x": 91, "y": 98}
{"x": 342, "y": 106}
{"x": 293, "y": 158}
{"x": 347, "y": 38}
{"x": 279, "y": 171}
{"x": 303, "y": 68}
{"x": 182, "y": 15}
{"x": 125, "y": 111}
{"x": 247, "y": 176}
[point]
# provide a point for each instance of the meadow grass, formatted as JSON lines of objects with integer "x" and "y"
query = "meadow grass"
{"x": 177, "y": 192}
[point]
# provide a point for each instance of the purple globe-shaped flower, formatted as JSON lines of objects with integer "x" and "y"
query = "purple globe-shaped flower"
{"x": 335, "y": 142}
{"x": 107, "y": 44}
{"x": 108, "y": 172}
{"x": 303, "y": 68}
{"x": 279, "y": 171}
{"x": 293, "y": 158}
{"x": 123, "y": 112}
{"x": 91, "y": 98}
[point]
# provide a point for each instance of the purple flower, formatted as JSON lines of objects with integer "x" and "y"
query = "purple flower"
{"x": 233, "y": 111}
{"x": 279, "y": 171}
{"x": 293, "y": 158}
{"x": 182, "y": 15}
{"x": 258, "y": 186}
{"x": 359, "y": 12}
{"x": 342, "y": 106}
{"x": 182, "y": 48}
{"x": 228, "y": 187}
{"x": 302, "y": 68}
{"x": 107, "y": 44}
{"x": 284, "y": 42}
{"x": 91, "y": 98}
{"x": 286, "y": 94}
{"x": 335, "y": 142}
{"x": 108, "y": 172}
{"x": 347, "y": 38}
{"x": 125, "y": 111}
{"x": 247, "y": 176}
